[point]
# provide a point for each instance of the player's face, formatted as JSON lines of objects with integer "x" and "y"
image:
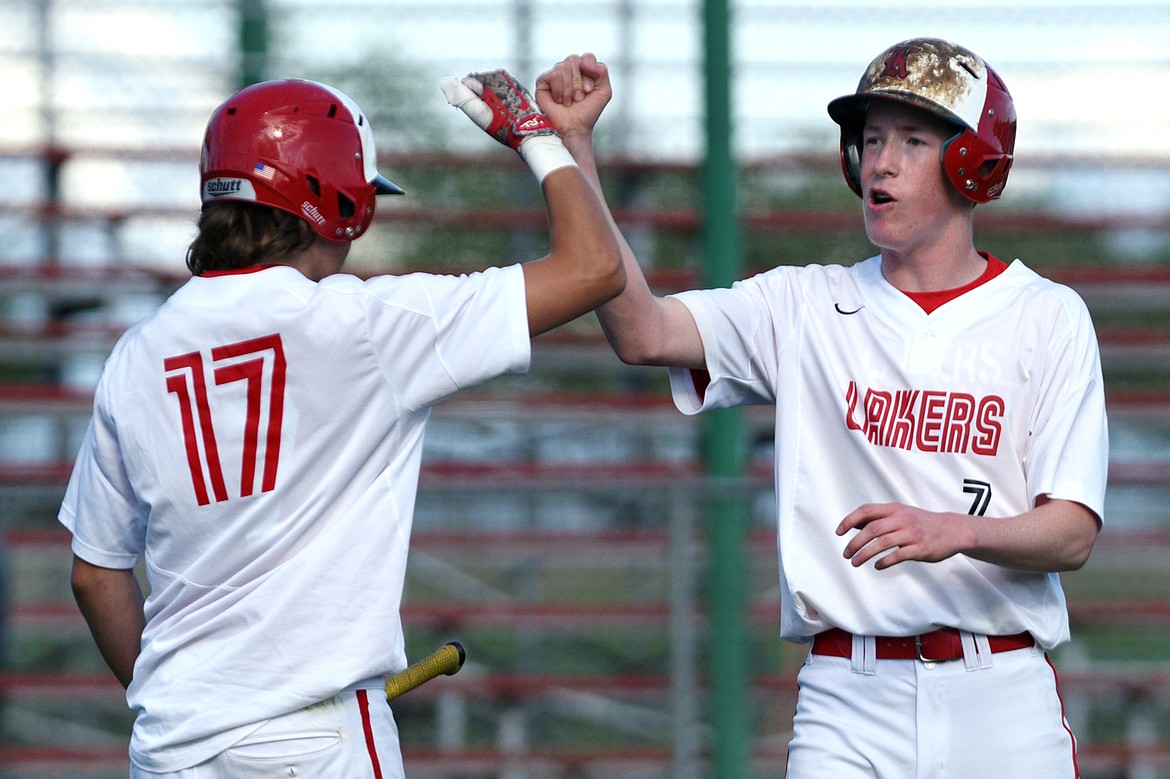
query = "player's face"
{"x": 908, "y": 202}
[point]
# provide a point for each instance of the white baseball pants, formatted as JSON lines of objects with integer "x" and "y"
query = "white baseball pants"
{"x": 993, "y": 716}
{"x": 351, "y": 735}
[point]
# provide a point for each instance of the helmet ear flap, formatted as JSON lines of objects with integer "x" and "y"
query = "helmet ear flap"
{"x": 975, "y": 167}
{"x": 851, "y": 159}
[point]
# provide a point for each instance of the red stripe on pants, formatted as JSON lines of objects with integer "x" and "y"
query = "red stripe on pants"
{"x": 368, "y": 728}
{"x": 1064, "y": 718}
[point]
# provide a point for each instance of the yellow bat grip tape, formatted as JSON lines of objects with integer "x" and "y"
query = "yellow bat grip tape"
{"x": 446, "y": 660}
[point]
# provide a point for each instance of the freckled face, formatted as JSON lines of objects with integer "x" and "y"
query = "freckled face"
{"x": 907, "y": 200}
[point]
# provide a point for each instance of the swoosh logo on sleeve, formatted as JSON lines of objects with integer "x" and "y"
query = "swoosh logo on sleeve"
{"x": 842, "y": 311}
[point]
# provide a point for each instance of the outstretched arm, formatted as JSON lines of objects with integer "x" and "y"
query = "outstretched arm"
{"x": 583, "y": 268}
{"x": 1056, "y": 535}
{"x": 111, "y": 602}
{"x": 643, "y": 329}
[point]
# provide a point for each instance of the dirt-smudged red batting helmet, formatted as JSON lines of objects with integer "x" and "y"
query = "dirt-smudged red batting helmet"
{"x": 948, "y": 81}
{"x": 299, "y": 146}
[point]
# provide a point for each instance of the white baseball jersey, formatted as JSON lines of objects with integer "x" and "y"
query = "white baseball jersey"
{"x": 989, "y": 402}
{"x": 258, "y": 439}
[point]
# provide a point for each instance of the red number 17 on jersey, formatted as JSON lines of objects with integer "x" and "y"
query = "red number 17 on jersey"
{"x": 259, "y": 363}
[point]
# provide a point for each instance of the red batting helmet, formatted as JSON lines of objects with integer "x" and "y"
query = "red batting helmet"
{"x": 299, "y": 146}
{"x": 948, "y": 81}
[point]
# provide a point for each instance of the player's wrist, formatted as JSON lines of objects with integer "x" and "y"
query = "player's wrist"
{"x": 544, "y": 154}
{"x": 578, "y": 142}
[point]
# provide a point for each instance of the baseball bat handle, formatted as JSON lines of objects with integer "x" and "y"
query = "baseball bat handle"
{"x": 446, "y": 660}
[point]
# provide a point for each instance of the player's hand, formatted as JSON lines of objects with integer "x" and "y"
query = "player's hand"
{"x": 500, "y": 105}
{"x": 573, "y": 93}
{"x": 894, "y": 533}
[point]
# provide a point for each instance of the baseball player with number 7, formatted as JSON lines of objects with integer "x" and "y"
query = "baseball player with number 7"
{"x": 941, "y": 441}
{"x": 257, "y": 440}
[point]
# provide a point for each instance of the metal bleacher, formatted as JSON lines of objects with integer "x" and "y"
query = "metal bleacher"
{"x": 559, "y": 534}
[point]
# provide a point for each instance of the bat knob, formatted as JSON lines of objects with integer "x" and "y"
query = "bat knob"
{"x": 462, "y": 653}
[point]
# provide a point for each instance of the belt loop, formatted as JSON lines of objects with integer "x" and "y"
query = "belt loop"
{"x": 864, "y": 656}
{"x": 976, "y": 650}
{"x": 983, "y": 647}
{"x": 971, "y": 657}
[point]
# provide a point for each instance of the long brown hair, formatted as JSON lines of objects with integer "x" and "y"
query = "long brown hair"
{"x": 234, "y": 234}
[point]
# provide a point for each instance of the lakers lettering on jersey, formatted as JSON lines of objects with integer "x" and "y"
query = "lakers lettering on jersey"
{"x": 927, "y": 420}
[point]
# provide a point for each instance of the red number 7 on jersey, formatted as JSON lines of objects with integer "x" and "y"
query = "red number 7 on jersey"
{"x": 260, "y": 364}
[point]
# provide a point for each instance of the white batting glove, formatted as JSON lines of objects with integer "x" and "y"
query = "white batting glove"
{"x": 503, "y": 108}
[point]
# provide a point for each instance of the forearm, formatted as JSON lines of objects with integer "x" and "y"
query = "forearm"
{"x": 582, "y": 269}
{"x": 636, "y": 321}
{"x": 111, "y": 601}
{"x": 1057, "y": 535}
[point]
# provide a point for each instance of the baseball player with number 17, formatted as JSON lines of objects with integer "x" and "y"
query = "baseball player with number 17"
{"x": 941, "y": 442}
{"x": 257, "y": 440}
